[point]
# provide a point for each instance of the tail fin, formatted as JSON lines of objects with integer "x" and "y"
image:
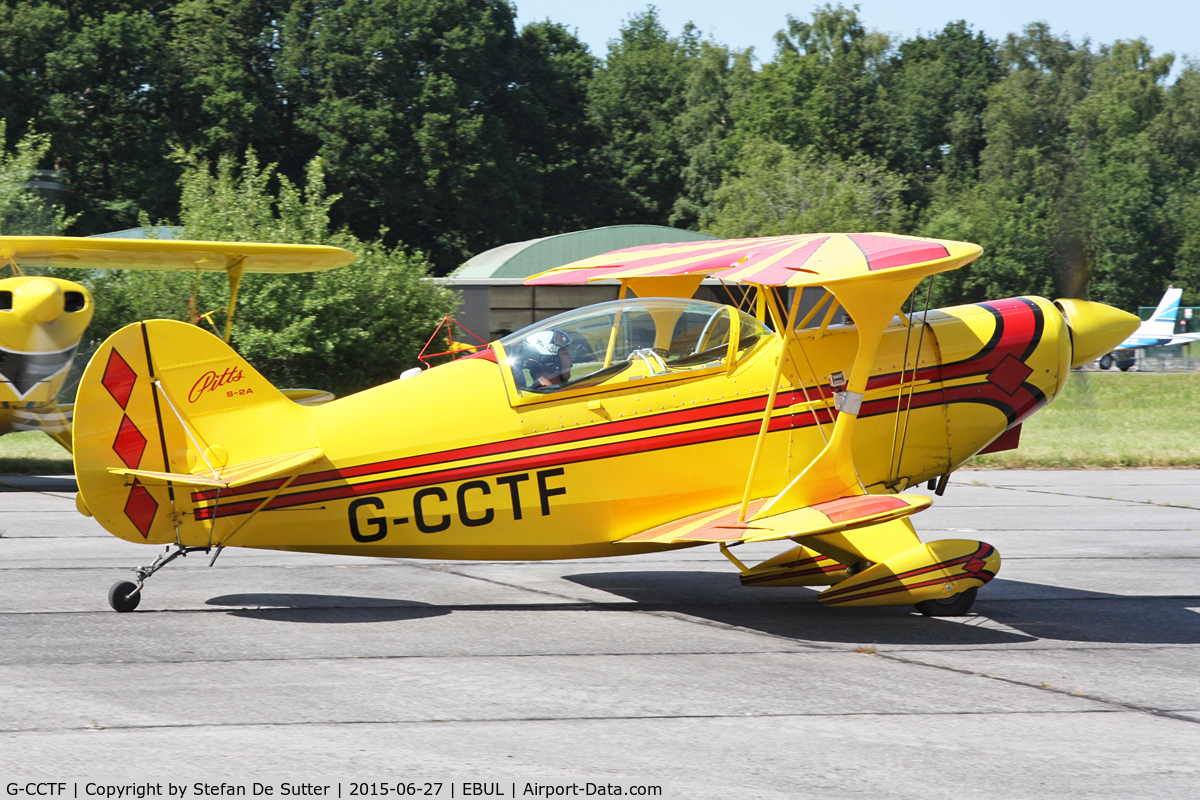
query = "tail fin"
{"x": 164, "y": 407}
{"x": 1162, "y": 322}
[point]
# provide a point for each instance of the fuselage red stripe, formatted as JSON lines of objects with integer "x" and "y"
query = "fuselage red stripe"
{"x": 1008, "y": 338}
{"x": 749, "y": 405}
{"x": 982, "y": 391}
{"x": 595, "y": 452}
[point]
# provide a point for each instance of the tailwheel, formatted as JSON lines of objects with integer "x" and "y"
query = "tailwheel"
{"x": 956, "y": 605}
{"x": 124, "y": 596}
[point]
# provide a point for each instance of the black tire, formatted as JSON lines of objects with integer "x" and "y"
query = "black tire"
{"x": 1125, "y": 368}
{"x": 123, "y": 596}
{"x": 954, "y": 606}
{"x": 1106, "y": 361}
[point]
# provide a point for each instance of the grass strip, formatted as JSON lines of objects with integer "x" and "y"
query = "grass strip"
{"x": 33, "y": 453}
{"x": 1106, "y": 420}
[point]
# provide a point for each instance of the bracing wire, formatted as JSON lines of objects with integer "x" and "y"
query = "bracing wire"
{"x": 916, "y": 366}
{"x": 912, "y": 300}
{"x": 816, "y": 383}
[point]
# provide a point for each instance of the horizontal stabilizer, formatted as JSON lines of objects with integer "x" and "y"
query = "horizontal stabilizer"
{"x": 234, "y": 474}
{"x": 846, "y": 513}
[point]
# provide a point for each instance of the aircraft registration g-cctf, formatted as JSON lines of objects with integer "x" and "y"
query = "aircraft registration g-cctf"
{"x": 43, "y": 319}
{"x": 639, "y": 425}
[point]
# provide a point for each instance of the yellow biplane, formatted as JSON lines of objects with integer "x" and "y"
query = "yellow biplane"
{"x": 42, "y": 319}
{"x": 648, "y": 423}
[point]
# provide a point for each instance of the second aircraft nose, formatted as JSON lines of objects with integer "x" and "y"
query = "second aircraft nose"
{"x": 41, "y": 298}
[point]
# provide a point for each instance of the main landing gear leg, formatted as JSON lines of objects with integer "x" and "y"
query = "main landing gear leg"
{"x": 125, "y": 595}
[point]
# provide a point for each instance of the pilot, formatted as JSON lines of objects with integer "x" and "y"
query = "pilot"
{"x": 546, "y": 357}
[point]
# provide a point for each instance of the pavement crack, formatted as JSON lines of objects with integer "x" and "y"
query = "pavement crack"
{"x": 1084, "y": 496}
{"x": 95, "y": 727}
{"x": 1115, "y": 705}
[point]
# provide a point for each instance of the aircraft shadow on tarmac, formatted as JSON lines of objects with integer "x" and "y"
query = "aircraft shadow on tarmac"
{"x": 325, "y": 608}
{"x": 1027, "y": 612}
{"x": 1066, "y": 614}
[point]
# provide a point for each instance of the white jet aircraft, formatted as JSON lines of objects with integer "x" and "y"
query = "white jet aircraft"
{"x": 1158, "y": 331}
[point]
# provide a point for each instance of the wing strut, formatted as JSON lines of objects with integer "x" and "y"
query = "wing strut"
{"x": 789, "y": 332}
{"x": 832, "y": 475}
{"x": 234, "y": 271}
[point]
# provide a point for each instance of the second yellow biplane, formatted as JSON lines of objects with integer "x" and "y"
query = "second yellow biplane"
{"x": 639, "y": 425}
{"x": 43, "y": 319}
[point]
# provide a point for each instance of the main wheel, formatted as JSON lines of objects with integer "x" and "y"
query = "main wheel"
{"x": 124, "y": 596}
{"x": 1106, "y": 361}
{"x": 953, "y": 606}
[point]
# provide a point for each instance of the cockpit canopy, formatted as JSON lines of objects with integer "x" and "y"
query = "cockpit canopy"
{"x": 626, "y": 339}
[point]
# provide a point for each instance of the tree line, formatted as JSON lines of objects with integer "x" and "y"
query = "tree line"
{"x": 445, "y": 130}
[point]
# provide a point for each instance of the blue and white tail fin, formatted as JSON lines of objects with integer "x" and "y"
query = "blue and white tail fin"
{"x": 1161, "y": 325}
{"x": 1162, "y": 321}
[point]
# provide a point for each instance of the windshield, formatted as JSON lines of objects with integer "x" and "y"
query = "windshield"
{"x": 624, "y": 340}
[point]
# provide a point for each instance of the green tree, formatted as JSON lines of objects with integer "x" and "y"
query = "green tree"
{"x": 23, "y": 211}
{"x": 1073, "y": 185}
{"x": 342, "y": 330}
{"x": 1175, "y": 137}
{"x": 558, "y": 140}
{"x": 818, "y": 91}
{"x": 779, "y": 191}
{"x": 926, "y": 120}
{"x": 100, "y": 80}
{"x": 223, "y": 54}
{"x": 430, "y": 119}
{"x": 717, "y": 80}
{"x": 636, "y": 97}
{"x": 1125, "y": 237}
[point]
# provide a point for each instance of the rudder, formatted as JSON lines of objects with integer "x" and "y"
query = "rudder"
{"x": 167, "y": 397}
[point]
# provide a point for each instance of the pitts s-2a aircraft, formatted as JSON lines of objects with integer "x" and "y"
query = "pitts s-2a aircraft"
{"x": 643, "y": 424}
{"x": 42, "y": 319}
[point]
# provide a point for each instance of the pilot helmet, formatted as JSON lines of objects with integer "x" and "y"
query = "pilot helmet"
{"x": 542, "y": 352}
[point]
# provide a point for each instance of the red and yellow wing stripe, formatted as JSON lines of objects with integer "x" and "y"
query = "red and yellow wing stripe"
{"x": 809, "y": 259}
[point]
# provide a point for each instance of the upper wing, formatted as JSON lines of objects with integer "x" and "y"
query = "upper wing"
{"x": 170, "y": 254}
{"x": 805, "y": 260}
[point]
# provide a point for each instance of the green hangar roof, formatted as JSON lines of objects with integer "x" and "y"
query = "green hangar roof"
{"x": 522, "y": 259}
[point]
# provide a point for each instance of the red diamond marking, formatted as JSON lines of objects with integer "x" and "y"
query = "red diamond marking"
{"x": 141, "y": 508}
{"x": 129, "y": 444}
{"x": 974, "y": 566}
{"x": 1009, "y": 374}
{"x": 119, "y": 378}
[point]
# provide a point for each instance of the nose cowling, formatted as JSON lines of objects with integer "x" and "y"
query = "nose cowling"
{"x": 1096, "y": 329}
{"x": 41, "y": 299}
